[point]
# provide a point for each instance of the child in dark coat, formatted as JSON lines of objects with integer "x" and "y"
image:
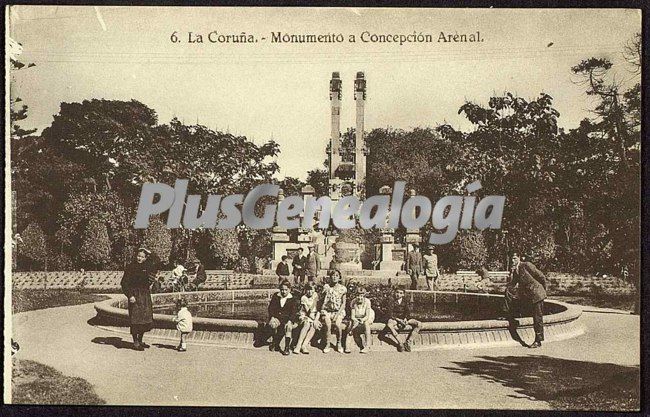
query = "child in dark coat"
{"x": 283, "y": 310}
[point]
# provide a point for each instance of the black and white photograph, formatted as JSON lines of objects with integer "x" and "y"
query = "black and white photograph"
{"x": 376, "y": 208}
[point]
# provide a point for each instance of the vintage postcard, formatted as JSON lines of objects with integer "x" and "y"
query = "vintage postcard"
{"x": 323, "y": 207}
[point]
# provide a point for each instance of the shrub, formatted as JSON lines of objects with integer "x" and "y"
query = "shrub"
{"x": 224, "y": 245}
{"x": 61, "y": 262}
{"x": 95, "y": 251}
{"x": 157, "y": 239}
{"x": 470, "y": 250}
{"x": 575, "y": 288}
{"x": 243, "y": 265}
{"x": 596, "y": 289}
{"x": 34, "y": 247}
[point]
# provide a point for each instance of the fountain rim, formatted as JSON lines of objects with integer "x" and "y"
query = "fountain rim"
{"x": 109, "y": 308}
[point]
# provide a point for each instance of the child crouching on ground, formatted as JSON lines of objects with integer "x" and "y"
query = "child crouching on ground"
{"x": 183, "y": 321}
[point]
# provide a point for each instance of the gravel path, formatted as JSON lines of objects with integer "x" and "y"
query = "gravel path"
{"x": 207, "y": 375}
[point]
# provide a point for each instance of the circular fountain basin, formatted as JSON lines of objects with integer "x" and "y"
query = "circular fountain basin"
{"x": 235, "y": 318}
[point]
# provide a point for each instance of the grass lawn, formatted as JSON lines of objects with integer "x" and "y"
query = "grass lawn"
{"x": 36, "y": 299}
{"x": 620, "y": 302}
{"x": 35, "y": 383}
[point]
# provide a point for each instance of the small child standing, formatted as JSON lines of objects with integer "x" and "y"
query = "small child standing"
{"x": 183, "y": 321}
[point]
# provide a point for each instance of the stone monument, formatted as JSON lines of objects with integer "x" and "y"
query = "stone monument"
{"x": 347, "y": 176}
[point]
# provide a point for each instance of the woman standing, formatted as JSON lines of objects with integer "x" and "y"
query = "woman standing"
{"x": 137, "y": 279}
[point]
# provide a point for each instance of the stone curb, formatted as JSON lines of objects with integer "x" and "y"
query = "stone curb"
{"x": 240, "y": 333}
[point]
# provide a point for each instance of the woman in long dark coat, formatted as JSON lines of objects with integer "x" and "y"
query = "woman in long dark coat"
{"x": 138, "y": 277}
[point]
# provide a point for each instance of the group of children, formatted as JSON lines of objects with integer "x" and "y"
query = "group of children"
{"x": 325, "y": 312}
{"x": 329, "y": 311}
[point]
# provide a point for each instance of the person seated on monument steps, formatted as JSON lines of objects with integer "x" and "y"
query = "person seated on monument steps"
{"x": 333, "y": 310}
{"x": 309, "y": 319}
{"x": 283, "y": 311}
{"x": 399, "y": 316}
{"x": 361, "y": 318}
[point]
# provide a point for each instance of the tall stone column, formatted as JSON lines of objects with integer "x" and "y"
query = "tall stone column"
{"x": 304, "y": 234}
{"x": 413, "y": 235}
{"x": 335, "y": 138}
{"x": 360, "y": 144}
{"x": 387, "y": 242}
{"x": 279, "y": 239}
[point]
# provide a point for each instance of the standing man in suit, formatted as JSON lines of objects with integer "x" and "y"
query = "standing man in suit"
{"x": 312, "y": 264}
{"x": 299, "y": 267}
{"x": 530, "y": 286}
{"x": 414, "y": 266}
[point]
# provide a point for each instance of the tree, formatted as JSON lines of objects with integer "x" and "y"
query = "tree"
{"x": 214, "y": 162}
{"x": 95, "y": 250}
{"x": 17, "y": 113}
{"x": 291, "y": 186}
{"x": 612, "y": 173}
{"x": 612, "y": 118}
{"x": 122, "y": 145}
{"x": 110, "y": 138}
{"x": 97, "y": 153}
{"x": 20, "y": 138}
{"x": 319, "y": 179}
{"x": 513, "y": 151}
{"x": 421, "y": 157}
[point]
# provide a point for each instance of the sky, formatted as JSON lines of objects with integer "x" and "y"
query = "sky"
{"x": 267, "y": 90}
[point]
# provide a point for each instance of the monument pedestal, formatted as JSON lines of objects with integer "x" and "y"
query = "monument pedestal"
{"x": 389, "y": 261}
{"x": 413, "y": 237}
{"x": 280, "y": 240}
{"x": 347, "y": 256}
{"x": 391, "y": 266}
